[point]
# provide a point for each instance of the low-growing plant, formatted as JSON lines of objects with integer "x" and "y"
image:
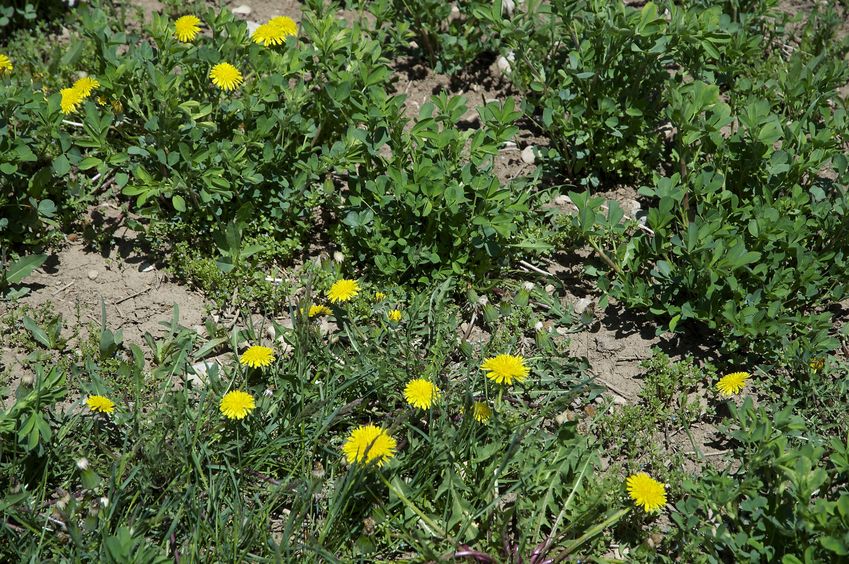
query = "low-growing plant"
{"x": 449, "y": 37}
{"x": 145, "y": 443}
{"x": 442, "y": 208}
{"x": 788, "y": 502}
{"x": 649, "y": 434}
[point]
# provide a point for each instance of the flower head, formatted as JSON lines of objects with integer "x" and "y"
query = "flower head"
{"x": 732, "y": 384}
{"x": 319, "y": 310}
{"x": 343, "y": 290}
{"x": 5, "y": 64}
{"x": 505, "y": 368}
{"x": 86, "y": 86}
{"x": 100, "y": 404}
{"x": 369, "y": 443}
{"x": 394, "y": 315}
{"x": 225, "y": 76}
{"x": 186, "y": 28}
{"x": 236, "y": 404}
{"x": 817, "y": 364}
{"x": 257, "y": 357}
{"x": 421, "y": 394}
{"x": 71, "y": 100}
{"x": 286, "y": 24}
{"x": 379, "y": 296}
{"x": 275, "y": 31}
{"x": 481, "y": 412}
{"x": 646, "y": 492}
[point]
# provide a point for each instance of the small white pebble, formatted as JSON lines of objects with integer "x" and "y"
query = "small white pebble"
{"x": 243, "y": 10}
{"x": 549, "y": 289}
{"x": 504, "y": 66}
{"x": 528, "y": 155}
{"x": 582, "y": 305}
{"x": 92, "y": 274}
{"x": 528, "y": 286}
{"x": 562, "y": 200}
{"x": 538, "y": 326}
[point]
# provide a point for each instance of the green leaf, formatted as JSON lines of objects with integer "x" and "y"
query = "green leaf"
{"x": 37, "y": 332}
{"x": 89, "y": 163}
{"x": 23, "y": 267}
{"x": 61, "y": 165}
{"x": 179, "y": 203}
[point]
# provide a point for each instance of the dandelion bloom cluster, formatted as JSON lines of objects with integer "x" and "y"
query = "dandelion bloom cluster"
{"x": 275, "y": 31}
{"x": 257, "y": 357}
{"x": 5, "y": 64}
{"x": 646, "y": 492}
{"x": 732, "y": 384}
{"x": 225, "y": 76}
{"x": 86, "y": 85}
{"x": 343, "y": 291}
{"x": 505, "y": 368}
{"x": 77, "y": 94}
{"x": 319, "y": 310}
{"x": 369, "y": 443}
{"x": 236, "y": 404}
{"x": 394, "y": 315}
{"x": 100, "y": 404}
{"x": 481, "y": 412}
{"x": 187, "y": 28}
{"x": 421, "y": 393}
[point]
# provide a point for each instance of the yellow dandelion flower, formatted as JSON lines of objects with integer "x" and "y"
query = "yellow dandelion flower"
{"x": 236, "y": 404}
{"x": 100, "y": 404}
{"x": 505, "y": 368}
{"x": 257, "y": 357}
{"x": 319, "y": 310}
{"x": 481, "y": 412}
{"x": 732, "y": 384}
{"x": 379, "y": 296}
{"x": 343, "y": 290}
{"x": 646, "y": 492}
{"x": 285, "y": 24}
{"x": 421, "y": 394}
{"x": 86, "y": 86}
{"x": 186, "y": 28}
{"x": 71, "y": 100}
{"x": 6, "y": 64}
{"x": 275, "y": 31}
{"x": 394, "y": 315}
{"x": 225, "y": 76}
{"x": 817, "y": 364}
{"x": 369, "y": 443}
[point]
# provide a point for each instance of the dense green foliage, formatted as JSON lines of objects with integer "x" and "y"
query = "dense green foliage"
{"x": 724, "y": 119}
